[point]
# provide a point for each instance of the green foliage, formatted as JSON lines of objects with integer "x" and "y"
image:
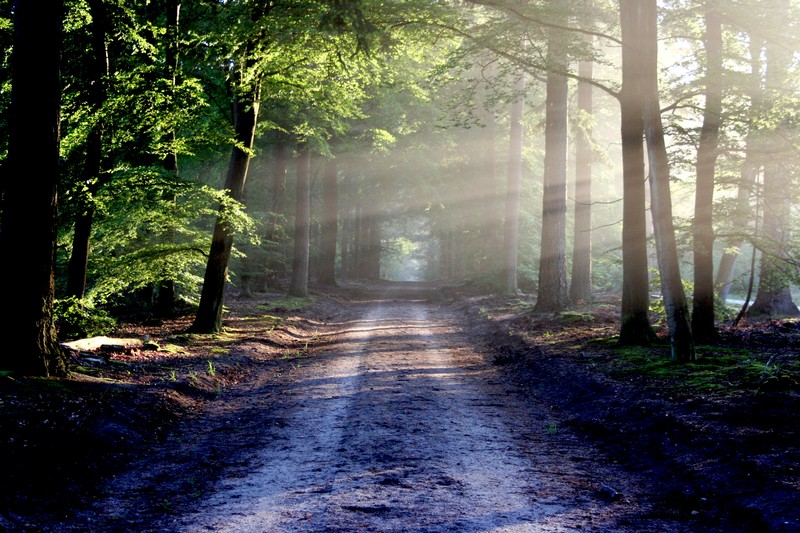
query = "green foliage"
{"x": 76, "y": 318}
{"x": 150, "y": 228}
{"x": 718, "y": 369}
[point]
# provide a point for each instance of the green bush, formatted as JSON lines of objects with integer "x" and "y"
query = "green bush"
{"x": 76, "y": 318}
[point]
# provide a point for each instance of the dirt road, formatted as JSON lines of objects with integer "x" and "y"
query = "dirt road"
{"x": 397, "y": 423}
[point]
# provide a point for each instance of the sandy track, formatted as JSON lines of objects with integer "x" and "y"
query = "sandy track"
{"x": 401, "y": 425}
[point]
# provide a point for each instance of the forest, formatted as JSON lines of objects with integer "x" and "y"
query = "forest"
{"x": 591, "y": 190}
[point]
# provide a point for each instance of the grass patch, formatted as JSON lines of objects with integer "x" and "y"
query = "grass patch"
{"x": 717, "y": 369}
{"x": 174, "y": 349}
{"x": 571, "y": 317}
{"x": 287, "y": 302}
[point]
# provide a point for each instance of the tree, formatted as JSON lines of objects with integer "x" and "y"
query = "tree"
{"x": 302, "y": 224}
{"x": 774, "y": 295}
{"x": 30, "y": 197}
{"x": 703, "y": 325}
{"x": 511, "y": 226}
{"x": 245, "y": 105}
{"x": 580, "y": 289}
{"x": 675, "y": 303}
{"x": 167, "y": 293}
{"x": 330, "y": 223}
{"x": 91, "y": 173}
{"x": 748, "y": 173}
{"x": 635, "y": 328}
{"x": 552, "y": 294}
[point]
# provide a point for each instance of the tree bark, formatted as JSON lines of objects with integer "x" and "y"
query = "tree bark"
{"x": 635, "y": 326}
{"x": 302, "y": 225}
{"x": 774, "y": 297}
{"x": 30, "y": 197}
{"x": 167, "y": 293}
{"x": 580, "y": 289}
{"x": 91, "y": 173}
{"x": 703, "y": 324}
{"x": 675, "y": 303}
{"x": 513, "y": 185}
{"x": 552, "y": 294}
{"x": 748, "y": 174}
{"x": 209, "y": 312}
{"x": 330, "y": 223}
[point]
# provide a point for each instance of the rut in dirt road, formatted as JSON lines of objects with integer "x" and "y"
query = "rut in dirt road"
{"x": 402, "y": 427}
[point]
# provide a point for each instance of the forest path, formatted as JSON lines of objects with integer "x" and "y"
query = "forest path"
{"x": 398, "y": 424}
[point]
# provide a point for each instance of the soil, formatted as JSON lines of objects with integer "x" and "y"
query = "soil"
{"x": 399, "y": 407}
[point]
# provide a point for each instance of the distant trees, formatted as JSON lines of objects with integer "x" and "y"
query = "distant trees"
{"x": 435, "y": 142}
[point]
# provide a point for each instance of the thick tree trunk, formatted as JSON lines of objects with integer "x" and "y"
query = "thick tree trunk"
{"x": 774, "y": 297}
{"x": 675, "y": 304}
{"x": 302, "y": 225}
{"x": 703, "y": 326}
{"x": 330, "y": 223}
{"x": 209, "y": 312}
{"x": 511, "y": 228}
{"x": 580, "y": 289}
{"x": 552, "y": 294}
{"x": 30, "y": 197}
{"x": 635, "y": 326}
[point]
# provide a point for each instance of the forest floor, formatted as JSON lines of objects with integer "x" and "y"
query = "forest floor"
{"x": 407, "y": 407}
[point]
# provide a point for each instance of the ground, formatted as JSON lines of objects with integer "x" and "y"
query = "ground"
{"x": 380, "y": 407}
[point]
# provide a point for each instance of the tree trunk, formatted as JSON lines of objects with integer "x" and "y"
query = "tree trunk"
{"x": 346, "y": 235}
{"x": 167, "y": 294}
{"x": 635, "y": 326}
{"x": 511, "y": 227}
{"x": 493, "y": 206}
{"x": 91, "y": 173}
{"x": 552, "y": 294}
{"x": 302, "y": 225}
{"x": 209, "y": 312}
{"x": 675, "y": 303}
{"x": 748, "y": 174}
{"x": 30, "y": 200}
{"x": 580, "y": 289}
{"x": 372, "y": 261}
{"x": 703, "y": 326}
{"x": 774, "y": 297}
{"x": 330, "y": 223}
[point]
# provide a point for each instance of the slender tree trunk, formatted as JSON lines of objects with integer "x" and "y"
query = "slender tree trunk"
{"x": 635, "y": 326}
{"x": 675, "y": 303}
{"x": 91, "y": 173}
{"x": 373, "y": 262}
{"x": 742, "y": 212}
{"x": 330, "y": 223}
{"x": 511, "y": 227}
{"x": 302, "y": 225}
{"x": 552, "y": 295}
{"x": 30, "y": 197}
{"x": 346, "y": 235}
{"x": 703, "y": 325}
{"x": 209, "y": 312}
{"x": 167, "y": 293}
{"x": 748, "y": 174}
{"x": 493, "y": 204}
{"x": 580, "y": 289}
